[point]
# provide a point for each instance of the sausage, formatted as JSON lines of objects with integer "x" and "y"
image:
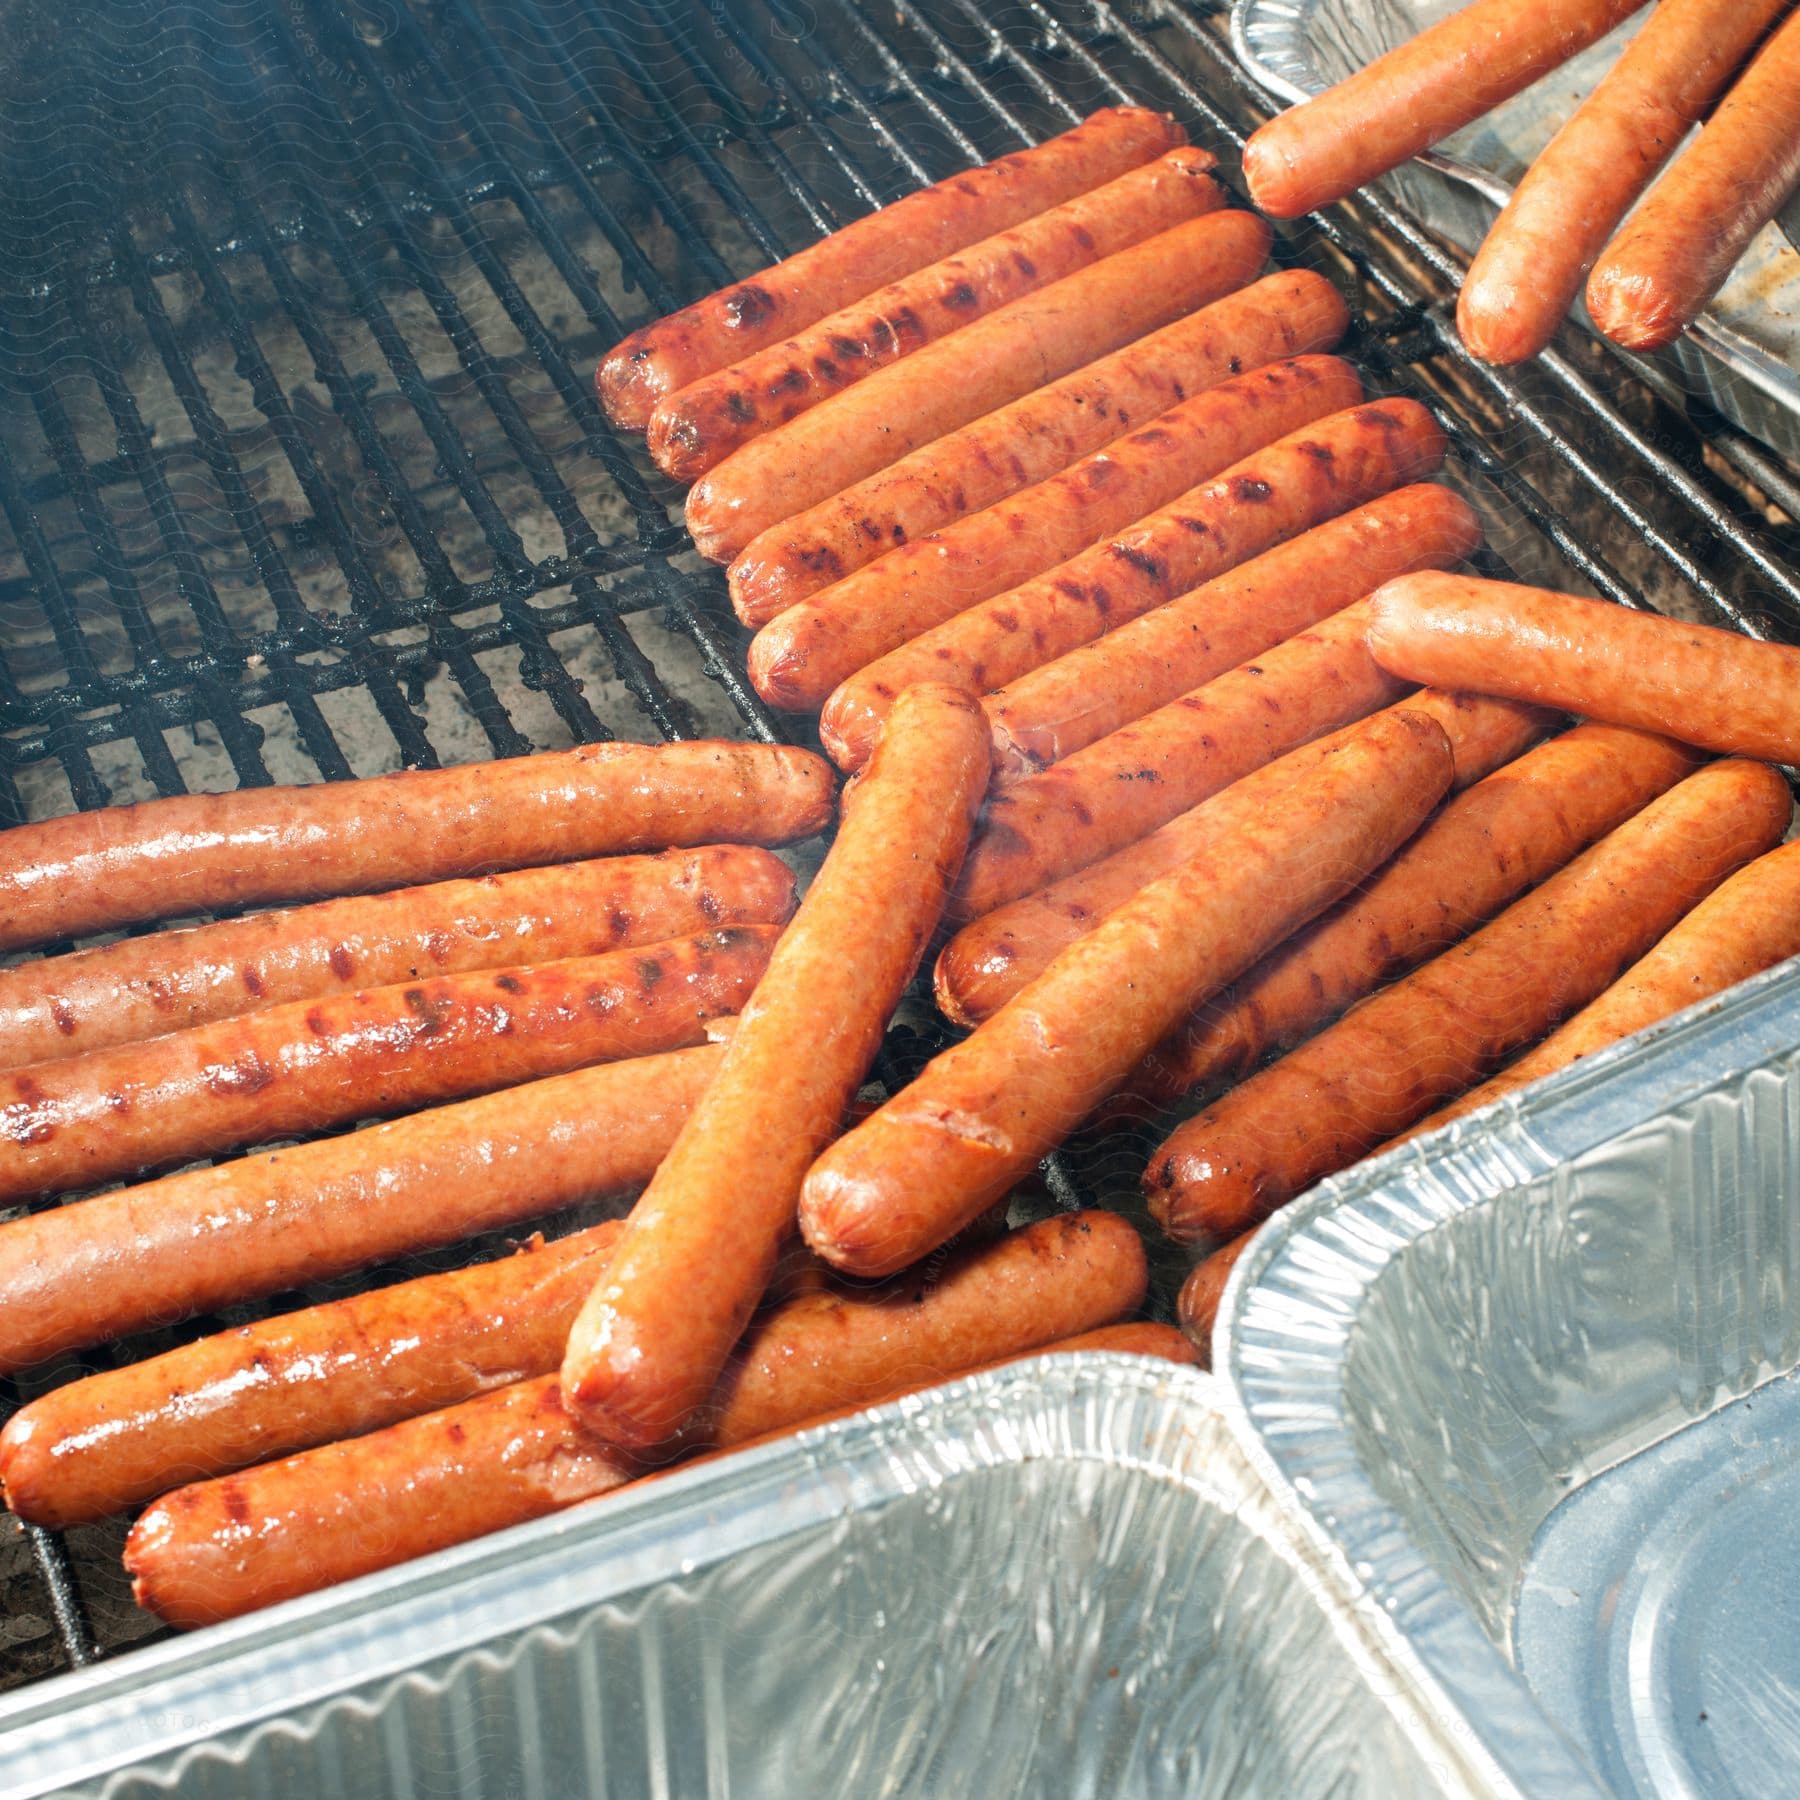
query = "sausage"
{"x": 868, "y": 253}
{"x": 1749, "y": 924}
{"x": 1287, "y": 314}
{"x": 349, "y": 1508}
{"x": 1388, "y": 1061}
{"x": 1692, "y": 682}
{"x": 143, "y": 987}
{"x": 310, "y": 1377}
{"x": 91, "y": 871}
{"x": 696, "y": 428}
{"x": 1296, "y": 483}
{"x": 986, "y": 1110}
{"x": 1197, "y": 1305}
{"x": 988, "y": 961}
{"x": 206, "y": 1238}
{"x": 310, "y": 1064}
{"x": 1480, "y": 853}
{"x": 648, "y": 1346}
{"x": 1076, "y": 700}
{"x": 1416, "y": 96}
{"x": 1026, "y": 343}
{"x": 1679, "y": 248}
{"x": 1146, "y": 773}
{"x": 1528, "y": 273}
{"x": 797, "y": 659}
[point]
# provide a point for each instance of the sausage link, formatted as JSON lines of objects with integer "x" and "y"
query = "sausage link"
{"x": 191, "y": 1243}
{"x": 1416, "y": 96}
{"x": 1076, "y": 700}
{"x": 1679, "y": 248}
{"x": 799, "y": 658}
{"x": 1502, "y": 836}
{"x": 1011, "y": 352}
{"x": 990, "y": 960}
{"x": 144, "y": 987}
{"x": 1388, "y": 1061}
{"x": 986, "y": 1110}
{"x": 648, "y": 1346}
{"x": 1528, "y": 273}
{"x": 1287, "y": 314}
{"x": 869, "y": 253}
{"x": 1197, "y": 1305}
{"x": 311, "y": 1064}
{"x": 1146, "y": 773}
{"x": 696, "y": 428}
{"x": 1749, "y": 924}
{"x": 91, "y": 871}
{"x": 1692, "y": 682}
{"x": 350, "y": 1508}
{"x": 1275, "y": 493}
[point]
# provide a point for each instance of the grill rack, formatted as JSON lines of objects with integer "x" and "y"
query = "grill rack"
{"x": 389, "y": 193}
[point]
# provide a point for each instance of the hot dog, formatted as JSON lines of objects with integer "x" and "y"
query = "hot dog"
{"x": 989, "y": 961}
{"x": 1287, "y": 314}
{"x": 1481, "y": 852}
{"x": 869, "y": 253}
{"x": 1197, "y": 1305}
{"x": 1692, "y": 682}
{"x": 985, "y": 1111}
{"x": 90, "y": 871}
{"x": 517, "y": 1453}
{"x": 1076, "y": 700}
{"x": 1679, "y": 248}
{"x": 1530, "y": 270}
{"x": 1415, "y": 96}
{"x": 697, "y": 427}
{"x": 648, "y": 1346}
{"x": 797, "y": 659}
{"x": 1388, "y": 1061}
{"x": 997, "y": 359}
{"x": 1295, "y": 483}
{"x": 143, "y": 987}
{"x": 310, "y": 1064}
{"x": 149, "y": 1255}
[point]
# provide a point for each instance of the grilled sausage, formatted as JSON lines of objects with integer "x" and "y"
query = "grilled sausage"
{"x": 1298, "y": 482}
{"x": 1197, "y": 1305}
{"x": 1076, "y": 700}
{"x": 1480, "y": 853}
{"x": 696, "y": 428}
{"x": 1749, "y": 924}
{"x": 517, "y": 1453}
{"x": 1679, "y": 248}
{"x": 1528, "y": 273}
{"x": 986, "y": 1110}
{"x": 1148, "y": 772}
{"x": 1416, "y": 96}
{"x": 1287, "y": 314}
{"x": 1693, "y": 682}
{"x": 310, "y": 1064}
{"x": 647, "y": 1348}
{"x": 143, "y": 987}
{"x": 94, "y": 870}
{"x": 1388, "y": 1061}
{"x": 989, "y": 961}
{"x": 1026, "y": 343}
{"x": 868, "y": 253}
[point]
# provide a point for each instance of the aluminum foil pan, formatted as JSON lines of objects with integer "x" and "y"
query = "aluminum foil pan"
{"x": 1743, "y": 355}
{"x": 1060, "y": 1578}
{"x": 1531, "y": 1380}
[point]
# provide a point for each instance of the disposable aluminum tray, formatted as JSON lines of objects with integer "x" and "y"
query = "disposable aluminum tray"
{"x": 1532, "y": 1379}
{"x": 1059, "y": 1578}
{"x": 1742, "y": 357}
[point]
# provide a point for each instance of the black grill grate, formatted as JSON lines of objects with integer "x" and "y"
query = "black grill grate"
{"x": 301, "y": 468}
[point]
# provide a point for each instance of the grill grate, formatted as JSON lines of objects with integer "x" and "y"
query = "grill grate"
{"x": 302, "y": 472}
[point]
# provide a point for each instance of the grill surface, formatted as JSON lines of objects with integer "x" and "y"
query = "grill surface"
{"x": 301, "y": 469}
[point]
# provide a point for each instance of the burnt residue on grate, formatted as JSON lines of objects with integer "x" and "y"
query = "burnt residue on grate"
{"x": 301, "y": 471}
